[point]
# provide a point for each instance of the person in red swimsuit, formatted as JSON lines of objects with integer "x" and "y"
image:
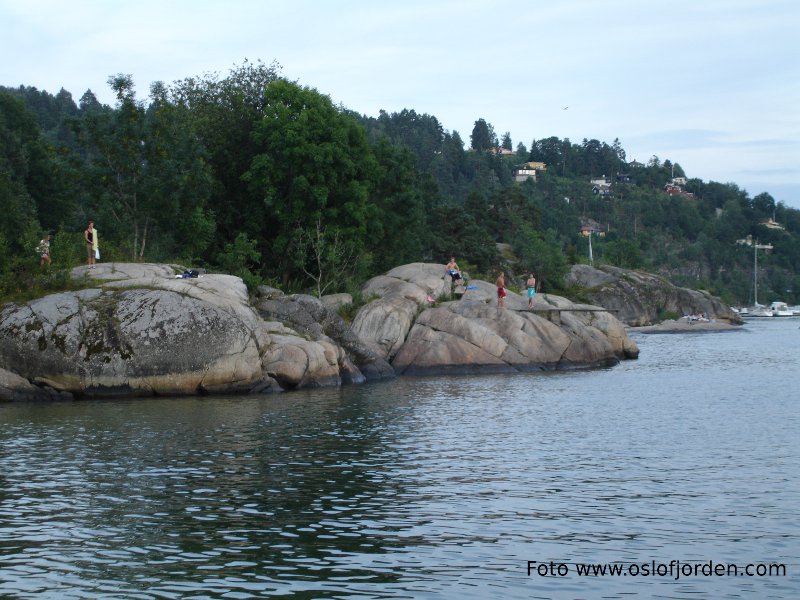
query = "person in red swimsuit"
{"x": 501, "y": 290}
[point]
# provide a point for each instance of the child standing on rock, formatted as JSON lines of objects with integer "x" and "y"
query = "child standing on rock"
{"x": 501, "y": 290}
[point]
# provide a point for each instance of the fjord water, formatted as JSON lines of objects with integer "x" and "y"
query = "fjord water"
{"x": 420, "y": 487}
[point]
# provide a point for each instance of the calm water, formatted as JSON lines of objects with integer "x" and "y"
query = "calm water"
{"x": 420, "y": 488}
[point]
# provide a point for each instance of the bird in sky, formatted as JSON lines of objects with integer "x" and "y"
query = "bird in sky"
{"x": 566, "y": 107}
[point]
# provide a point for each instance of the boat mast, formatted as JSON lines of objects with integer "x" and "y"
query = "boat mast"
{"x": 756, "y": 248}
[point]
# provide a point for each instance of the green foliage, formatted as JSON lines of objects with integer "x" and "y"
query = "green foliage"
{"x": 483, "y": 136}
{"x": 542, "y": 255}
{"x": 271, "y": 180}
{"x": 67, "y": 249}
{"x": 22, "y": 278}
{"x": 667, "y": 315}
{"x": 458, "y": 234}
{"x": 348, "y": 311}
{"x": 239, "y": 256}
{"x": 399, "y": 229}
{"x": 623, "y": 253}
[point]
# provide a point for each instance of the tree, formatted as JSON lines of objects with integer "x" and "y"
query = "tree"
{"x": 458, "y": 234}
{"x": 542, "y": 255}
{"x": 619, "y": 151}
{"x": 483, "y": 136}
{"x": 623, "y": 253}
{"x": 22, "y": 164}
{"x": 149, "y": 173}
{"x": 115, "y": 140}
{"x": 225, "y": 111}
{"x": 179, "y": 179}
{"x": 313, "y": 167}
{"x": 239, "y": 258}
{"x": 324, "y": 257}
{"x": 400, "y": 232}
{"x": 506, "y": 141}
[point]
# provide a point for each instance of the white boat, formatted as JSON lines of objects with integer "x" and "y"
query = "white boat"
{"x": 780, "y": 309}
{"x": 759, "y": 310}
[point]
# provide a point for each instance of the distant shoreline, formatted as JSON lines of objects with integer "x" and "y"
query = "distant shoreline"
{"x": 684, "y": 326}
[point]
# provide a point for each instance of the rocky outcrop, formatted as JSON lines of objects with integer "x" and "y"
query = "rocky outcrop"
{"x": 688, "y": 326}
{"x": 136, "y": 329}
{"x": 472, "y": 335}
{"x": 14, "y": 388}
{"x": 384, "y": 323}
{"x": 318, "y": 320}
{"x": 119, "y": 340}
{"x": 639, "y": 298}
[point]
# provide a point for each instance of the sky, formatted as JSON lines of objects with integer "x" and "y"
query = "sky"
{"x": 712, "y": 85}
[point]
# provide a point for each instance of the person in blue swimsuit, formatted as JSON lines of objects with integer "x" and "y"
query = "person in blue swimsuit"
{"x": 531, "y": 284}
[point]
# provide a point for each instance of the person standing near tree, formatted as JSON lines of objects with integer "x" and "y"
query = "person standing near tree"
{"x": 501, "y": 290}
{"x": 90, "y": 236}
{"x": 531, "y": 285}
{"x": 44, "y": 250}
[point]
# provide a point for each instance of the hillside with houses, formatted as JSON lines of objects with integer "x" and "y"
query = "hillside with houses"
{"x": 254, "y": 175}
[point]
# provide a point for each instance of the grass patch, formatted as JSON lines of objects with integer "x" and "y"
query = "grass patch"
{"x": 577, "y": 294}
{"x": 22, "y": 286}
{"x": 348, "y": 311}
{"x": 667, "y": 315}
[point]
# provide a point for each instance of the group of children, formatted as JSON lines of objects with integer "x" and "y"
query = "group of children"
{"x": 454, "y": 272}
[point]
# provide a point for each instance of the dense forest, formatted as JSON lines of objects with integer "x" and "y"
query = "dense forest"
{"x": 252, "y": 174}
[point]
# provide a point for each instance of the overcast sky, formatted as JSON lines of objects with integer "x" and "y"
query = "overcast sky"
{"x": 713, "y": 85}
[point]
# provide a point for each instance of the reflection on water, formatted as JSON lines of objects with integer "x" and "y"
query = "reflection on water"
{"x": 441, "y": 487}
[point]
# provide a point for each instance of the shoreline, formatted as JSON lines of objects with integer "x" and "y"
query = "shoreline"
{"x": 684, "y": 326}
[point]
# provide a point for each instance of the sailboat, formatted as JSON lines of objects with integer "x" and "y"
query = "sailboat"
{"x": 758, "y": 310}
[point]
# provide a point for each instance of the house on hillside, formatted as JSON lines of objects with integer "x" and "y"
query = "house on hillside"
{"x": 601, "y": 186}
{"x": 501, "y": 151}
{"x": 604, "y": 191}
{"x": 676, "y": 190}
{"x": 590, "y": 226}
{"x": 623, "y": 178}
{"x": 528, "y": 171}
{"x": 772, "y": 224}
{"x": 600, "y": 180}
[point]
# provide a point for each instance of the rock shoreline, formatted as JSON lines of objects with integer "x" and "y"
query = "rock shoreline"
{"x": 136, "y": 330}
{"x": 685, "y": 326}
{"x": 640, "y": 298}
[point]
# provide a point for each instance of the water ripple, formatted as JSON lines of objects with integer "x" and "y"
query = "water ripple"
{"x": 417, "y": 488}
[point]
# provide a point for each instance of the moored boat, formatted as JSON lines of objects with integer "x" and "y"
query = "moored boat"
{"x": 781, "y": 309}
{"x": 759, "y": 310}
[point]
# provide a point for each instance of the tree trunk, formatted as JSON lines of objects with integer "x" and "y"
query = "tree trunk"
{"x": 144, "y": 238}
